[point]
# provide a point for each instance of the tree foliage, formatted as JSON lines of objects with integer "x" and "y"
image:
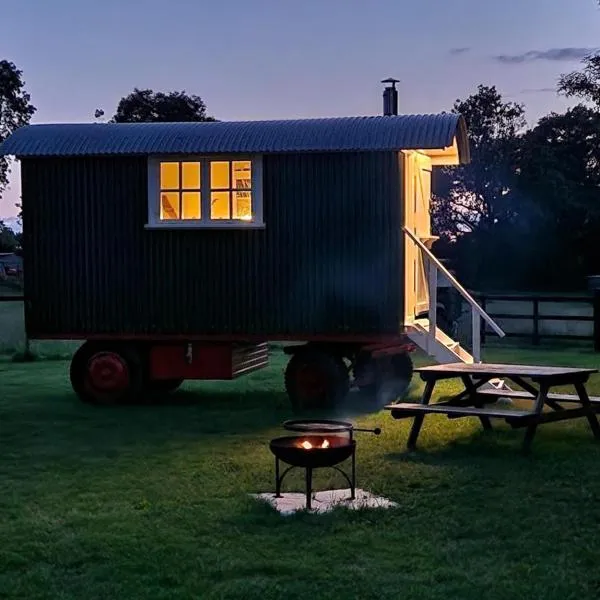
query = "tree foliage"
{"x": 584, "y": 84}
{"x": 559, "y": 170}
{"x": 9, "y": 241}
{"x": 147, "y": 106}
{"x": 526, "y": 212}
{"x": 477, "y": 196}
{"x": 16, "y": 110}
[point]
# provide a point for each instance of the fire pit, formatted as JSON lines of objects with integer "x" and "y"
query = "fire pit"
{"x": 323, "y": 443}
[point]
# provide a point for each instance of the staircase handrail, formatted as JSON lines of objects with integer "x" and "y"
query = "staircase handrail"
{"x": 463, "y": 292}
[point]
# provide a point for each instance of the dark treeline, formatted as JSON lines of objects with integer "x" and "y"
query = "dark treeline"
{"x": 525, "y": 213}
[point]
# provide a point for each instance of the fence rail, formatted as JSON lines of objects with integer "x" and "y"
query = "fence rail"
{"x": 536, "y": 318}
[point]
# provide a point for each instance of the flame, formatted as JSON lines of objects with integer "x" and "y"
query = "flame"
{"x": 307, "y": 445}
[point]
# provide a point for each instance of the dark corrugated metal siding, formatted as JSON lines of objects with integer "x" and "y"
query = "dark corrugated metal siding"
{"x": 328, "y": 261}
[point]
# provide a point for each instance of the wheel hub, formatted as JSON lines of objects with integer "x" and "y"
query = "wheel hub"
{"x": 107, "y": 371}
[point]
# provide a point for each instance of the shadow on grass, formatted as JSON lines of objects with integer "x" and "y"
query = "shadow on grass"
{"x": 554, "y": 443}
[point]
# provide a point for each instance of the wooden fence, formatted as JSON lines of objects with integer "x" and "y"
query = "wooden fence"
{"x": 537, "y": 316}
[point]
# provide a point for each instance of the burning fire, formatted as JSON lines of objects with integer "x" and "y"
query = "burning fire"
{"x": 307, "y": 445}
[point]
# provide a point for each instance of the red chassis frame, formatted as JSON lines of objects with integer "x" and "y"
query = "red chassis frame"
{"x": 222, "y": 357}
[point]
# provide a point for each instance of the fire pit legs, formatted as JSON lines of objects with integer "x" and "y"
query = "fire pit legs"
{"x": 353, "y": 479}
{"x": 308, "y": 471}
{"x": 277, "y": 479}
{"x": 311, "y": 451}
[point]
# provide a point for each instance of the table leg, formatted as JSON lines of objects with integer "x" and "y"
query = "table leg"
{"x": 528, "y": 387}
{"x": 459, "y": 399}
{"x": 472, "y": 390}
{"x": 418, "y": 422}
{"x": 590, "y": 412}
{"x": 541, "y": 399}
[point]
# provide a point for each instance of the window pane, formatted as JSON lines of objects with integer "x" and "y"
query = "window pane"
{"x": 242, "y": 205}
{"x": 219, "y": 205}
{"x": 169, "y": 205}
{"x": 242, "y": 175}
{"x": 219, "y": 174}
{"x": 190, "y": 205}
{"x": 190, "y": 175}
{"x": 169, "y": 175}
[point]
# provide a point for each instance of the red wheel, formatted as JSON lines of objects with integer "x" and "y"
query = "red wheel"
{"x": 311, "y": 382}
{"x": 106, "y": 373}
{"x": 315, "y": 379}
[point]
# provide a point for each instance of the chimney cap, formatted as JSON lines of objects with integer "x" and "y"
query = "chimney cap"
{"x": 391, "y": 80}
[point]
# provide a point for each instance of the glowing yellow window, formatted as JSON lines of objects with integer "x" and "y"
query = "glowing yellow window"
{"x": 180, "y": 190}
{"x": 169, "y": 206}
{"x": 231, "y": 190}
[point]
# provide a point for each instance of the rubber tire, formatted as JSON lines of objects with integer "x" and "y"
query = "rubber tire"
{"x": 386, "y": 389}
{"x": 334, "y": 372}
{"x": 78, "y": 368}
{"x": 163, "y": 386}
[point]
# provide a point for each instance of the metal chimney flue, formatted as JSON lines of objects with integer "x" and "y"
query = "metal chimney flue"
{"x": 390, "y": 97}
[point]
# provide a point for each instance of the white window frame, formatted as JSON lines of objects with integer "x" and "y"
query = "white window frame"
{"x": 205, "y": 222}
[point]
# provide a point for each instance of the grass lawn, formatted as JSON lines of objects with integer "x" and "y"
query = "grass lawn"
{"x": 152, "y": 502}
{"x": 12, "y": 331}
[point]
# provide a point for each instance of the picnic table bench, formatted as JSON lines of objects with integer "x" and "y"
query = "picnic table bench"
{"x": 535, "y": 381}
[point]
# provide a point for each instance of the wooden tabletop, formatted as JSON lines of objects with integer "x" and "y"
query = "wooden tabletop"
{"x": 502, "y": 370}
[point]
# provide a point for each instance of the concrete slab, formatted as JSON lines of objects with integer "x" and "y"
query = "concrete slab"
{"x": 324, "y": 501}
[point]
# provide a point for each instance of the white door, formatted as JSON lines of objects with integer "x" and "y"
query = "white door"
{"x": 417, "y": 198}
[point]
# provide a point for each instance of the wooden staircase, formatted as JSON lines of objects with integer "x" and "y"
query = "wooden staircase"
{"x": 425, "y": 333}
{"x": 439, "y": 346}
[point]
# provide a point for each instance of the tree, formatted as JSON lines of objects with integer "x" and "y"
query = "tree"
{"x": 16, "y": 110}
{"x": 9, "y": 241}
{"x": 147, "y": 106}
{"x": 559, "y": 170}
{"x": 583, "y": 84}
{"x": 476, "y": 196}
{"x": 475, "y": 207}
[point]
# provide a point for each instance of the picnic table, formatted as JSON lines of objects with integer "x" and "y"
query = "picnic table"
{"x": 535, "y": 381}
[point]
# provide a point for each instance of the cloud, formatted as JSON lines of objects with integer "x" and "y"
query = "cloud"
{"x": 457, "y": 51}
{"x": 544, "y": 90}
{"x": 553, "y": 54}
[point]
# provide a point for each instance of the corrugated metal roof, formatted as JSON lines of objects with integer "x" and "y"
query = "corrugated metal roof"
{"x": 343, "y": 134}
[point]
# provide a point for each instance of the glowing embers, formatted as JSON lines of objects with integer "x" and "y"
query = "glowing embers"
{"x": 307, "y": 445}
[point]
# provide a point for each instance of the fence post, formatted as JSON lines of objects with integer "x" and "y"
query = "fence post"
{"x": 536, "y": 321}
{"x": 476, "y": 335}
{"x": 484, "y": 306}
{"x": 596, "y": 304}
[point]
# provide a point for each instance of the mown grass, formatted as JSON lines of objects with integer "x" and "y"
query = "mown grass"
{"x": 12, "y": 333}
{"x": 153, "y": 501}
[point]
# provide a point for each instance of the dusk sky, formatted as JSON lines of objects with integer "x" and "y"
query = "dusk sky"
{"x": 266, "y": 59}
